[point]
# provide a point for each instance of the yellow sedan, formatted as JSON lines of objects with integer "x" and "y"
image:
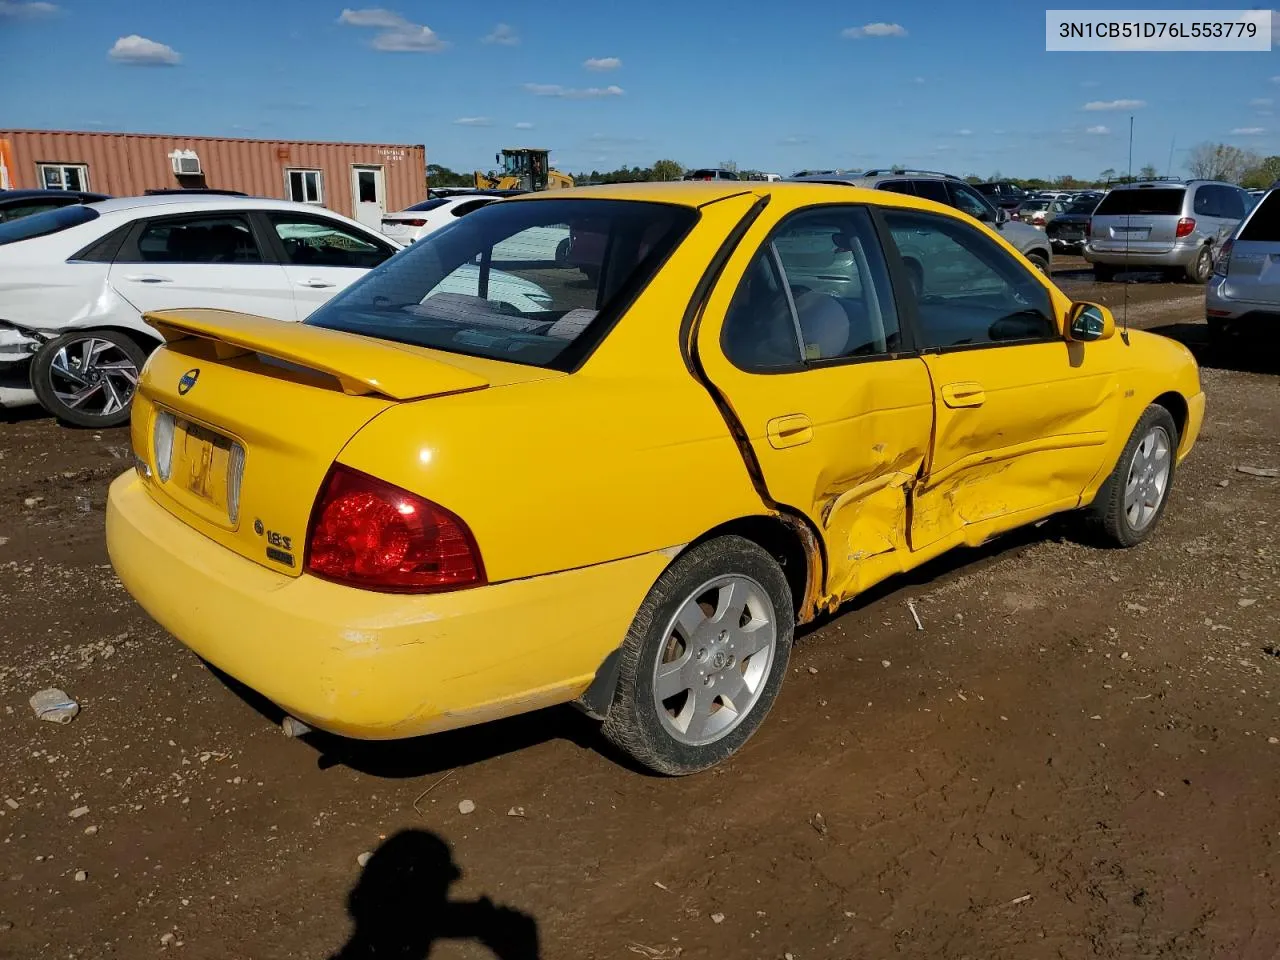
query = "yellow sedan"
{"x": 609, "y": 446}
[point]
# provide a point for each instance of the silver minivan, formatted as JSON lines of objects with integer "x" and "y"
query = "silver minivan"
{"x": 1174, "y": 225}
{"x": 1244, "y": 294}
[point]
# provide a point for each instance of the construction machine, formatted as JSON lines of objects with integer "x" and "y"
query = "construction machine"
{"x": 523, "y": 168}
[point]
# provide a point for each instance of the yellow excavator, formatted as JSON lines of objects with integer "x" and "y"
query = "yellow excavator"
{"x": 523, "y": 168}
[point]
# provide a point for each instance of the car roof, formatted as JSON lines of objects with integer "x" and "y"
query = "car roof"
{"x": 204, "y": 201}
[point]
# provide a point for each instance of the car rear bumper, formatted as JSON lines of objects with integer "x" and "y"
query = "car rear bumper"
{"x": 374, "y": 665}
{"x": 1177, "y": 255}
{"x": 1253, "y": 313}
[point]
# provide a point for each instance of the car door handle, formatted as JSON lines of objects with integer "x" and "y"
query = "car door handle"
{"x": 147, "y": 278}
{"x": 316, "y": 283}
{"x": 789, "y": 431}
{"x": 966, "y": 393}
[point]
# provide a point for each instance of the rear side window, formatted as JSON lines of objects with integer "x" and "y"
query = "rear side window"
{"x": 1233, "y": 203}
{"x": 212, "y": 239}
{"x": 898, "y": 186}
{"x": 818, "y": 290}
{"x": 1264, "y": 225}
{"x": 1159, "y": 201}
{"x": 538, "y": 283}
{"x": 934, "y": 190}
{"x": 44, "y": 224}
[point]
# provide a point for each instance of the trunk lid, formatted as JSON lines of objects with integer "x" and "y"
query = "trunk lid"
{"x": 257, "y": 410}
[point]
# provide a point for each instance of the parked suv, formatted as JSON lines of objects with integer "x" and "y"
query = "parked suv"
{"x": 1177, "y": 225}
{"x": 706, "y": 173}
{"x": 951, "y": 190}
{"x": 1244, "y": 293}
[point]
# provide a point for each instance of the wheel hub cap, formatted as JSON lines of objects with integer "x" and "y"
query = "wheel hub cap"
{"x": 716, "y": 659}
{"x": 93, "y": 375}
{"x": 1148, "y": 478}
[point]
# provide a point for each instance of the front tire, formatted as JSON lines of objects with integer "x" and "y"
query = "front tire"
{"x": 87, "y": 378}
{"x": 1132, "y": 500}
{"x": 704, "y": 658}
{"x": 1199, "y": 270}
{"x": 1040, "y": 262}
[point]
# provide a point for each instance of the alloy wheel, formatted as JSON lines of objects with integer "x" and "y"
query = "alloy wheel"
{"x": 1148, "y": 478}
{"x": 94, "y": 376}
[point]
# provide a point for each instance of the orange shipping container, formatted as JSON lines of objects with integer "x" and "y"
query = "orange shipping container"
{"x": 361, "y": 180}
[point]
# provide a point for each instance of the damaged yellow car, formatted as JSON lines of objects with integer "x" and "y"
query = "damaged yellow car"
{"x": 609, "y": 446}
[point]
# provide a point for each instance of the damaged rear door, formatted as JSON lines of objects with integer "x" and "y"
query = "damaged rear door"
{"x": 1021, "y": 413}
{"x": 802, "y": 343}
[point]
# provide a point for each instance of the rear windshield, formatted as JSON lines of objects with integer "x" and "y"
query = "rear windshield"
{"x": 43, "y": 224}
{"x": 428, "y": 204}
{"x": 1264, "y": 225}
{"x": 1083, "y": 206}
{"x": 536, "y": 282}
{"x": 1141, "y": 202}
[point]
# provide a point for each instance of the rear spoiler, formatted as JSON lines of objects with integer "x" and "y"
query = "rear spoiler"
{"x": 361, "y": 365}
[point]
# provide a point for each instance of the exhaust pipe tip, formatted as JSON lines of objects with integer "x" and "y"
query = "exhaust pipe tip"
{"x": 293, "y": 728}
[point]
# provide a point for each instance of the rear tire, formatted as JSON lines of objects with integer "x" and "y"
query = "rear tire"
{"x": 1132, "y": 499}
{"x": 713, "y": 635}
{"x": 87, "y": 378}
{"x": 1040, "y": 262}
{"x": 1200, "y": 269}
{"x": 1103, "y": 272}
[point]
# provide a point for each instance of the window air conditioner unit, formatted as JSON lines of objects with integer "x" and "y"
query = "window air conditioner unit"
{"x": 185, "y": 163}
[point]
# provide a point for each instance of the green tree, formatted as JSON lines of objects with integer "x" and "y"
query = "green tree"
{"x": 1106, "y": 176}
{"x": 1221, "y": 161}
{"x": 1148, "y": 172}
{"x": 438, "y": 176}
{"x": 1263, "y": 175}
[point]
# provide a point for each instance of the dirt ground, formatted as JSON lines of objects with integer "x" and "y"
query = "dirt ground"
{"x": 1077, "y": 757}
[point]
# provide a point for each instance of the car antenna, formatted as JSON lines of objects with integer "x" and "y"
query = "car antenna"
{"x": 1128, "y": 232}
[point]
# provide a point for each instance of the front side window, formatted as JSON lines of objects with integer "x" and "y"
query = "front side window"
{"x": 1264, "y": 225}
{"x": 817, "y": 290}
{"x": 306, "y": 186}
{"x": 968, "y": 291}
{"x": 218, "y": 238}
{"x": 64, "y": 176}
{"x": 314, "y": 242}
{"x": 536, "y": 282}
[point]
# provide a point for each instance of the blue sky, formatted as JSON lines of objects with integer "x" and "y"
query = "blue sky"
{"x": 969, "y": 90}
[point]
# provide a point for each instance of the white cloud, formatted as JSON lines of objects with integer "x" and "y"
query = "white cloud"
{"x": 1099, "y": 130}
{"x": 874, "y": 30}
{"x": 1261, "y": 102}
{"x": 1090, "y": 83}
{"x": 20, "y": 10}
{"x": 504, "y": 35}
{"x": 524, "y": 125}
{"x": 396, "y": 34}
{"x": 602, "y": 63}
{"x": 1114, "y": 104}
{"x": 573, "y": 93}
{"x": 1275, "y": 79}
{"x": 793, "y": 141}
{"x": 142, "y": 52}
{"x": 1247, "y": 131}
{"x": 473, "y": 122}
{"x": 917, "y": 80}
{"x": 965, "y": 132}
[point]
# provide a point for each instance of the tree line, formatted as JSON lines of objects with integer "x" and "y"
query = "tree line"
{"x": 1207, "y": 161}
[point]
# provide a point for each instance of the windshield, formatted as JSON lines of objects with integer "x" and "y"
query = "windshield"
{"x": 427, "y": 205}
{"x": 43, "y": 224}
{"x": 536, "y": 282}
{"x": 1141, "y": 202}
{"x": 1264, "y": 225}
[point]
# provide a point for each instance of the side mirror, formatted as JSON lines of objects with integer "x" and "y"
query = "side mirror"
{"x": 1002, "y": 215}
{"x": 1089, "y": 321}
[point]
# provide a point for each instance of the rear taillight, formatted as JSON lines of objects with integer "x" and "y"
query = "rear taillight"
{"x": 1222, "y": 266}
{"x": 371, "y": 534}
{"x": 1185, "y": 226}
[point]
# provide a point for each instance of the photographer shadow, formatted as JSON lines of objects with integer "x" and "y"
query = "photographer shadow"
{"x": 400, "y": 907}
